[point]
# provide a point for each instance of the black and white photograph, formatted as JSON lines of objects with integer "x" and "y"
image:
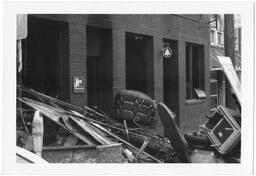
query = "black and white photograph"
{"x": 161, "y": 89}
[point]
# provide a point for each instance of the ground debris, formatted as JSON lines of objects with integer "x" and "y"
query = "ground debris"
{"x": 68, "y": 126}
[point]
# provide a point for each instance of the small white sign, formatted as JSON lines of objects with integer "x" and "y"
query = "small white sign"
{"x": 78, "y": 84}
{"x": 167, "y": 52}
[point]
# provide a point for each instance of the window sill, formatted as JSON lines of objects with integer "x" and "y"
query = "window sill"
{"x": 194, "y": 101}
{"x": 217, "y": 46}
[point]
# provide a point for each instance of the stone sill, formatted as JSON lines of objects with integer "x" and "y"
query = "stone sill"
{"x": 194, "y": 101}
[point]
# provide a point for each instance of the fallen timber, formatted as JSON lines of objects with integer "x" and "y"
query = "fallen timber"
{"x": 46, "y": 98}
{"x": 85, "y": 113}
{"x": 127, "y": 143}
{"x": 65, "y": 114}
{"x": 55, "y": 118}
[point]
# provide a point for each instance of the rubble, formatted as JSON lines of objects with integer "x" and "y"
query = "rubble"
{"x": 218, "y": 132}
{"x": 74, "y": 134}
{"x": 68, "y": 128}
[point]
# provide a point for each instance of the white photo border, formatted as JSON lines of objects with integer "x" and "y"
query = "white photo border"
{"x": 11, "y": 8}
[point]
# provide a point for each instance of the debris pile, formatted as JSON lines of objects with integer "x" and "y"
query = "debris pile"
{"x": 70, "y": 133}
{"x": 60, "y": 132}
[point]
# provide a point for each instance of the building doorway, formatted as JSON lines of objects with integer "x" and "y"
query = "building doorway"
{"x": 94, "y": 80}
{"x": 45, "y": 56}
{"x": 171, "y": 77}
{"x": 139, "y": 63}
{"x": 99, "y": 68}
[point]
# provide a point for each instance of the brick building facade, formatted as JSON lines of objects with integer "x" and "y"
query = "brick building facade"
{"x": 113, "y": 52}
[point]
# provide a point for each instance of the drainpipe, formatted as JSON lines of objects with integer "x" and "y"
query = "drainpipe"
{"x": 229, "y": 44}
{"x": 229, "y": 34}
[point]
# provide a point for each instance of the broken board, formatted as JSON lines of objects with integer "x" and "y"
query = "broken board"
{"x": 231, "y": 74}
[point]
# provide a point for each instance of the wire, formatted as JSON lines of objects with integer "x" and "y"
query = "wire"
{"x": 23, "y": 121}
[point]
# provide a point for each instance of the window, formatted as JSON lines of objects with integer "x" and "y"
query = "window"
{"x": 220, "y": 38}
{"x": 214, "y": 93}
{"x": 219, "y": 22}
{"x": 213, "y": 41}
{"x": 213, "y": 23}
{"x": 194, "y": 71}
{"x": 217, "y": 38}
{"x": 216, "y": 31}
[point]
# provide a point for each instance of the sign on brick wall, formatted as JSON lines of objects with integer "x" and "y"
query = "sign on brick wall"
{"x": 167, "y": 52}
{"x": 78, "y": 84}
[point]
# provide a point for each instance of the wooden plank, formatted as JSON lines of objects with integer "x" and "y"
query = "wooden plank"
{"x": 231, "y": 75}
{"x": 58, "y": 102}
{"x": 82, "y": 124}
{"x": 59, "y": 119}
{"x": 92, "y": 131}
{"x": 78, "y": 131}
{"x": 142, "y": 149}
{"x": 125, "y": 142}
{"x": 126, "y": 131}
{"x": 154, "y": 143}
{"x": 28, "y": 157}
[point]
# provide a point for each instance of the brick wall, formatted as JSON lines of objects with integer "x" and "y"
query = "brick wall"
{"x": 157, "y": 26}
{"x": 76, "y": 47}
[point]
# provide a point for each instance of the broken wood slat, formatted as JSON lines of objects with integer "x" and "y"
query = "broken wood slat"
{"x": 71, "y": 112}
{"x": 71, "y": 108}
{"x": 142, "y": 149}
{"x": 60, "y": 119}
{"x": 92, "y": 131}
{"x": 76, "y": 113}
{"x": 137, "y": 137}
{"x": 59, "y": 110}
{"x": 23, "y": 121}
{"x": 155, "y": 143}
{"x": 126, "y": 131}
{"x": 77, "y": 131}
{"x": 62, "y": 103}
{"x": 82, "y": 124}
{"x": 231, "y": 74}
{"x": 25, "y": 156}
{"x": 55, "y": 105}
{"x": 125, "y": 142}
{"x": 46, "y": 111}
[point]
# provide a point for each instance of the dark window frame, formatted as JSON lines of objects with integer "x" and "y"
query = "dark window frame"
{"x": 195, "y": 73}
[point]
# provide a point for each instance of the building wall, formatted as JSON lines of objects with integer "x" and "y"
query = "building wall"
{"x": 159, "y": 27}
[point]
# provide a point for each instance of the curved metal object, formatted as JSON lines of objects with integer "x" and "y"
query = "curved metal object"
{"x": 172, "y": 132}
{"x": 136, "y": 107}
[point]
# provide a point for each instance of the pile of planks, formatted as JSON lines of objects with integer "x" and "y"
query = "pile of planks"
{"x": 86, "y": 126}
